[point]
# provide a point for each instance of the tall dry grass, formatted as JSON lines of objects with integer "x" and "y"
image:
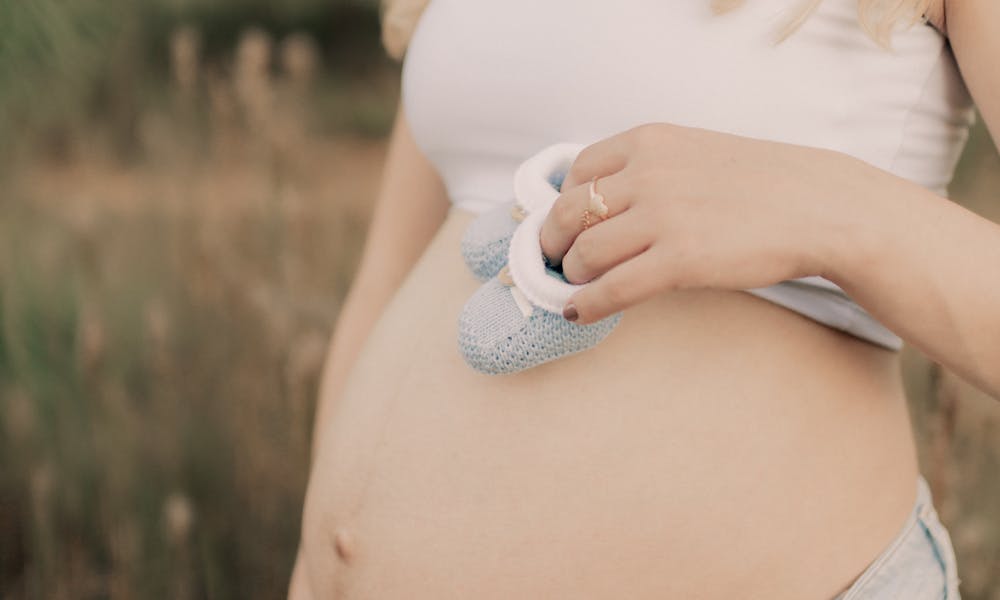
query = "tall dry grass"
{"x": 162, "y": 325}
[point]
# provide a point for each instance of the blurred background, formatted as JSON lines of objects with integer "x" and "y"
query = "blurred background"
{"x": 184, "y": 191}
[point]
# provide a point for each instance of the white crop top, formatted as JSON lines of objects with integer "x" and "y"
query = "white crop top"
{"x": 488, "y": 83}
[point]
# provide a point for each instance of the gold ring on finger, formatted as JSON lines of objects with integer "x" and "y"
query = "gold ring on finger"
{"x": 597, "y": 205}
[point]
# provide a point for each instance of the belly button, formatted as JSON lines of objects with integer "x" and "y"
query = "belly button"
{"x": 343, "y": 542}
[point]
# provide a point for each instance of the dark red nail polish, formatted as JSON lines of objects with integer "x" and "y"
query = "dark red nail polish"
{"x": 569, "y": 313}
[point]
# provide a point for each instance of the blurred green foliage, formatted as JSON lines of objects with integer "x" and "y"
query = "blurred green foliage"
{"x": 51, "y": 51}
{"x": 63, "y": 61}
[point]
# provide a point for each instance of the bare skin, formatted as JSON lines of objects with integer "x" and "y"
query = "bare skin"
{"x": 852, "y": 223}
{"x": 667, "y": 462}
{"x": 715, "y": 445}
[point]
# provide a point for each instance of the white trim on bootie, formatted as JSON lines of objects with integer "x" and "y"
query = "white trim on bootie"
{"x": 527, "y": 267}
{"x": 537, "y": 195}
{"x": 531, "y": 180}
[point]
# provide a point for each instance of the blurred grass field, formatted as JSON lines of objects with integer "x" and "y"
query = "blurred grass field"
{"x": 181, "y": 213}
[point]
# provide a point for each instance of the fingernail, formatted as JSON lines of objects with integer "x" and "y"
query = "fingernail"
{"x": 569, "y": 313}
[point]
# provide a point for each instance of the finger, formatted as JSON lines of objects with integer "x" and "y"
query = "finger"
{"x": 599, "y": 159}
{"x": 627, "y": 284}
{"x": 565, "y": 220}
{"x": 605, "y": 245}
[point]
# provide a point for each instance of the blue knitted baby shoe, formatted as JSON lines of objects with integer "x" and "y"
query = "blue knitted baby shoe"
{"x": 486, "y": 238}
{"x": 500, "y": 331}
{"x": 514, "y": 321}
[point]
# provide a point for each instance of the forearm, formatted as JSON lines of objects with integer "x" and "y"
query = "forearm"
{"x": 379, "y": 276}
{"x": 358, "y": 315}
{"x": 411, "y": 205}
{"x": 925, "y": 267}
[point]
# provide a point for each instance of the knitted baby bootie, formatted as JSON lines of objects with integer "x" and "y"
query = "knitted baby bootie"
{"x": 500, "y": 331}
{"x": 514, "y": 321}
{"x": 487, "y": 237}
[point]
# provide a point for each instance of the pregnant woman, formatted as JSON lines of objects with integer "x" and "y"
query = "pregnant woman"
{"x": 717, "y": 443}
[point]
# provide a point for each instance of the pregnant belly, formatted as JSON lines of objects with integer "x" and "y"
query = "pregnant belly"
{"x": 714, "y": 445}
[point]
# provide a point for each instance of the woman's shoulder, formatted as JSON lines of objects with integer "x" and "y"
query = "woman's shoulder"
{"x": 399, "y": 19}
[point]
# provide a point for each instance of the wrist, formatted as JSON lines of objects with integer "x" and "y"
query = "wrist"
{"x": 859, "y": 207}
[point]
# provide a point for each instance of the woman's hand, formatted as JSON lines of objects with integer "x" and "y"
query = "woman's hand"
{"x": 691, "y": 208}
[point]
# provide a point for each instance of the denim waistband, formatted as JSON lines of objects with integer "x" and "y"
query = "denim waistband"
{"x": 919, "y": 562}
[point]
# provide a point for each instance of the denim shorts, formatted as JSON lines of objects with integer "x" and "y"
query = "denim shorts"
{"x": 919, "y": 564}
